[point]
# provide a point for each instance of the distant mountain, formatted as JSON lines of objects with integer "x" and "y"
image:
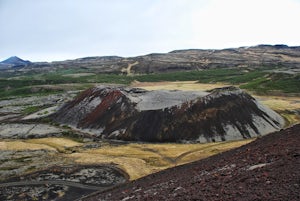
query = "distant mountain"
{"x": 15, "y": 61}
{"x": 274, "y": 56}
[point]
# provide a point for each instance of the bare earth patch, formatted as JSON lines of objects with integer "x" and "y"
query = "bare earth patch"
{"x": 180, "y": 85}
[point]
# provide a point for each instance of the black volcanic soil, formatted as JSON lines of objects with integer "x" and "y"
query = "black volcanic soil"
{"x": 266, "y": 169}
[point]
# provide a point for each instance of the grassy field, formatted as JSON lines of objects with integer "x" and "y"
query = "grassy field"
{"x": 137, "y": 159}
{"x": 285, "y": 106}
{"x": 53, "y": 144}
{"x": 259, "y": 81}
{"x": 178, "y": 85}
{"x": 18, "y": 145}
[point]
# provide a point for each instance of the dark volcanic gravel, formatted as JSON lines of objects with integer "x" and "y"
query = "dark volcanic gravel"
{"x": 266, "y": 169}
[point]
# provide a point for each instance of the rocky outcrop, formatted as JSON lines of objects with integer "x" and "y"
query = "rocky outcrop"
{"x": 62, "y": 182}
{"x": 25, "y": 131}
{"x": 168, "y": 116}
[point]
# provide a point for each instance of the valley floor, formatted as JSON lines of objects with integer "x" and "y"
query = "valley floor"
{"x": 28, "y": 144}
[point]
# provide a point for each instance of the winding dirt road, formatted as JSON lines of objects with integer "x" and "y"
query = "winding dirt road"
{"x": 52, "y": 182}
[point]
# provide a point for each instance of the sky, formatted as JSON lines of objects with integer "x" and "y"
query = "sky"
{"x": 53, "y": 30}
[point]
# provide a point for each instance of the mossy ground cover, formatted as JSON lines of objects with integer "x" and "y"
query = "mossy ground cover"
{"x": 260, "y": 81}
{"x": 31, "y": 109}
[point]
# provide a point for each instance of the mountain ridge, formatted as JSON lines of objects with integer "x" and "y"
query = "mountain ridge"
{"x": 184, "y": 60}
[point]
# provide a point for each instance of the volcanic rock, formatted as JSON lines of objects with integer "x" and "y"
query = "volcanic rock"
{"x": 226, "y": 176}
{"x": 168, "y": 116}
{"x": 24, "y": 131}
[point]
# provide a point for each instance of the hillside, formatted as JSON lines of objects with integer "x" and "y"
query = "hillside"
{"x": 277, "y": 56}
{"x": 265, "y": 169}
{"x": 263, "y": 69}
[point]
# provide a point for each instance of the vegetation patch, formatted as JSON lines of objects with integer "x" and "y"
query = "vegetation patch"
{"x": 18, "y": 145}
{"x": 260, "y": 81}
{"x": 72, "y": 136}
{"x": 274, "y": 83}
{"x": 31, "y": 109}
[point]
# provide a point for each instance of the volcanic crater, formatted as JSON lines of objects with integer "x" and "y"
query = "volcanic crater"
{"x": 134, "y": 114}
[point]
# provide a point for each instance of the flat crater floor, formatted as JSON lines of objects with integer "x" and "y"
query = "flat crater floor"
{"x": 160, "y": 99}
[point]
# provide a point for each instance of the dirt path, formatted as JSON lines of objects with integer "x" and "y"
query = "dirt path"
{"x": 128, "y": 69}
{"x": 51, "y": 182}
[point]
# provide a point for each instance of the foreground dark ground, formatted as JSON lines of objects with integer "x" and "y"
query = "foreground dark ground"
{"x": 266, "y": 169}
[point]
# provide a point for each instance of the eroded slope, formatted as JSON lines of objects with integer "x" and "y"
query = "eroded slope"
{"x": 167, "y": 116}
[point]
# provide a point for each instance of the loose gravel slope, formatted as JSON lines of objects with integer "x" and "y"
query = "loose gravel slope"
{"x": 265, "y": 169}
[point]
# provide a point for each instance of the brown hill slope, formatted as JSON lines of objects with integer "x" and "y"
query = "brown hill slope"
{"x": 266, "y": 169}
{"x": 181, "y": 60}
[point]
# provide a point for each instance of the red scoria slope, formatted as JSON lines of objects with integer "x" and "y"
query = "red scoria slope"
{"x": 266, "y": 169}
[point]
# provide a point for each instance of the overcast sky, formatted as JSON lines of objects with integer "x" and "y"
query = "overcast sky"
{"x": 49, "y": 30}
